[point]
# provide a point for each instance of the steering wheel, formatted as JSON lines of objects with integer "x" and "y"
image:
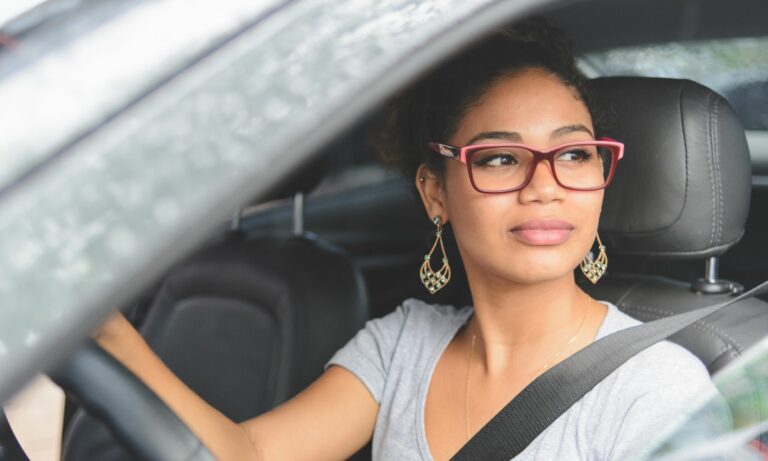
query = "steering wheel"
{"x": 137, "y": 418}
{"x": 10, "y": 450}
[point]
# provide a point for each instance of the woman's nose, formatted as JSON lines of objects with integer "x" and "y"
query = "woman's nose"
{"x": 542, "y": 187}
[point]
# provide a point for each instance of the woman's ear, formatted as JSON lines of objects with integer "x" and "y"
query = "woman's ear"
{"x": 431, "y": 189}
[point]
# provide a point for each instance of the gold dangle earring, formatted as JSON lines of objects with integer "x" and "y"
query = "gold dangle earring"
{"x": 432, "y": 280}
{"x": 594, "y": 268}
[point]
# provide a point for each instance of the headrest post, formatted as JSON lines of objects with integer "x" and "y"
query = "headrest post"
{"x": 710, "y": 271}
{"x": 711, "y": 285}
{"x": 298, "y": 213}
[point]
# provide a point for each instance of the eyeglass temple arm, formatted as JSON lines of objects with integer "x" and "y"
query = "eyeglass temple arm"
{"x": 445, "y": 149}
{"x": 621, "y": 148}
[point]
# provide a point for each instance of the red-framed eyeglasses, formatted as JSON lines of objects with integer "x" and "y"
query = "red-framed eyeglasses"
{"x": 500, "y": 168}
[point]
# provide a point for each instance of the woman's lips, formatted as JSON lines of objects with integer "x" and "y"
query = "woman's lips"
{"x": 543, "y": 231}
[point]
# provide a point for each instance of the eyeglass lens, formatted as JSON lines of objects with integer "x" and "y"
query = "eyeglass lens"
{"x": 503, "y": 168}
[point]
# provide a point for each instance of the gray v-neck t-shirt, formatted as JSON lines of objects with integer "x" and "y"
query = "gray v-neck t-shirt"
{"x": 395, "y": 356}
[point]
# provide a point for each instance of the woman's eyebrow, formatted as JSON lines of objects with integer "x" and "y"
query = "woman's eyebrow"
{"x": 567, "y": 129}
{"x": 503, "y": 135}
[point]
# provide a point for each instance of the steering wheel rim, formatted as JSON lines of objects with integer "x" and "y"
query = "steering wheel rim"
{"x": 141, "y": 422}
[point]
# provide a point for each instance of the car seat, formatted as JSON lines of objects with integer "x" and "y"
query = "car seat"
{"x": 682, "y": 192}
{"x": 246, "y": 323}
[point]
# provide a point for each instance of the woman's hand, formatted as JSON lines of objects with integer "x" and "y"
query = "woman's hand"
{"x": 338, "y": 402}
{"x": 223, "y": 437}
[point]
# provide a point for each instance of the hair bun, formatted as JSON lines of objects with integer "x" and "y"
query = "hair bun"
{"x": 542, "y": 34}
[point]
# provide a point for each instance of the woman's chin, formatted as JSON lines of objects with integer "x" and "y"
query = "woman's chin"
{"x": 528, "y": 265}
{"x": 540, "y": 269}
{"x": 538, "y": 277}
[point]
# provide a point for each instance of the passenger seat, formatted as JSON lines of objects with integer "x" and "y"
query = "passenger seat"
{"x": 246, "y": 323}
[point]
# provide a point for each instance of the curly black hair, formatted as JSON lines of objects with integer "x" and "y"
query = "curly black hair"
{"x": 431, "y": 109}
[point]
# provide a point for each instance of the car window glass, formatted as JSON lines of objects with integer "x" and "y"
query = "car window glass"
{"x": 735, "y": 68}
{"x": 353, "y": 162}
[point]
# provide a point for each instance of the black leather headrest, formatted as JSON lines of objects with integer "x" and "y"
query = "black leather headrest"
{"x": 682, "y": 189}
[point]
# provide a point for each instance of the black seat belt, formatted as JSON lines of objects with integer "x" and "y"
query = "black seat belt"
{"x": 555, "y": 391}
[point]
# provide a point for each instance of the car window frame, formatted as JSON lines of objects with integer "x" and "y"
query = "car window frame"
{"x": 34, "y": 201}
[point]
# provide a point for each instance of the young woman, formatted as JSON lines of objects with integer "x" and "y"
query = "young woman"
{"x": 502, "y": 145}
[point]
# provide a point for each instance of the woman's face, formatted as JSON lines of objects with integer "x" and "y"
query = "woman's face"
{"x": 510, "y": 236}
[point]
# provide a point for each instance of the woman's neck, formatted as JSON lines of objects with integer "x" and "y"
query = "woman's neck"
{"x": 523, "y": 326}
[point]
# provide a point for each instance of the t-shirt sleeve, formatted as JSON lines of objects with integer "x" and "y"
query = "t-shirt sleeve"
{"x": 675, "y": 389}
{"x": 368, "y": 355}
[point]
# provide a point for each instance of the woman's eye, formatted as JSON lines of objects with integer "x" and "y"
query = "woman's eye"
{"x": 496, "y": 160}
{"x": 574, "y": 155}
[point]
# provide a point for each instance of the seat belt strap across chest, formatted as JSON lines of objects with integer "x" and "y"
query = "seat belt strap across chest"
{"x": 556, "y": 390}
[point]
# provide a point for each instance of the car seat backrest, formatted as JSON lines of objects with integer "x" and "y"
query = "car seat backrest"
{"x": 681, "y": 192}
{"x": 246, "y": 323}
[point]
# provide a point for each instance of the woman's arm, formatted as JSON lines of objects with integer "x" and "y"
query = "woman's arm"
{"x": 331, "y": 419}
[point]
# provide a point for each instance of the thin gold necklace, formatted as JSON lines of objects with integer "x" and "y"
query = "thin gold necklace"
{"x": 544, "y": 368}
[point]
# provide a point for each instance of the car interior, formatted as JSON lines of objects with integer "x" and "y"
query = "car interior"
{"x": 251, "y": 318}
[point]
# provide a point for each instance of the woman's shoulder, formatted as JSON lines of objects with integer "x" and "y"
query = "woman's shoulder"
{"x": 415, "y": 311}
{"x": 403, "y": 337}
{"x": 421, "y": 320}
{"x": 441, "y": 312}
{"x": 664, "y": 355}
{"x": 662, "y": 384}
{"x": 665, "y": 371}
